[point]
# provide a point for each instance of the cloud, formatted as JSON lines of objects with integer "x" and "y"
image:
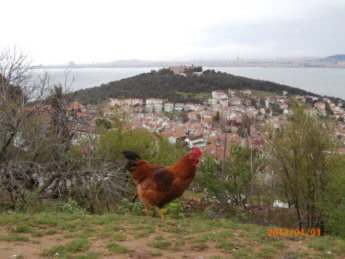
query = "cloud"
{"x": 94, "y": 31}
{"x": 317, "y": 33}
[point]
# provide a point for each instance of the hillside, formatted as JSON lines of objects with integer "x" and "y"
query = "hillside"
{"x": 46, "y": 235}
{"x": 176, "y": 88}
{"x": 339, "y": 57}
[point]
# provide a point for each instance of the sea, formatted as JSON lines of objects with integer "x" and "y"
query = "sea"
{"x": 323, "y": 81}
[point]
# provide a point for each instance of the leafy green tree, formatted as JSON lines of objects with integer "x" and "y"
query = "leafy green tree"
{"x": 235, "y": 183}
{"x": 303, "y": 155}
{"x": 333, "y": 203}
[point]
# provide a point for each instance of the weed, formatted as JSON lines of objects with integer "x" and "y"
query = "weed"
{"x": 78, "y": 245}
{"x": 90, "y": 255}
{"x": 116, "y": 248}
{"x": 118, "y": 237}
{"x": 278, "y": 244}
{"x": 14, "y": 238}
{"x": 22, "y": 229}
{"x": 142, "y": 234}
{"x": 71, "y": 206}
{"x": 266, "y": 252}
{"x": 160, "y": 244}
{"x": 174, "y": 210}
{"x": 226, "y": 245}
{"x": 199, "y": 247}
{"x": 321, "y": 244}
{"x": 155, "y": 253}
{"x": 243, "y": 253}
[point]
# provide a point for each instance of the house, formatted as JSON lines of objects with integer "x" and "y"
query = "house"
{"x": 235, "y": 101}
{"x": 197, "y": 73}
{"x": 149, "y": 108}
{"x": 75, "y": 106}
{"x": 193, "y": 115}
{"x": 169, "y": 107}
{"x": 118, "y": 102}
{"x": 212, "y": 101}
{"x": 177, "y": 70}
{"x": 196, "y": 141}
{"x": 231, "y": 93}
{"x": 320, "y": 106}
{"x": 137, "y": 101}
{"x": 224, "y": 102}
{"x": 85, "y": 134}
{"x": 158, "y": 107}
{"x": 154, "y": 104}
{"x": 247, "y": 92}
{"x": 191, "y": 107}
{"x": 154, "y": 101}
{"x": 219, "y": 94}
{"x": 179, "y": 107}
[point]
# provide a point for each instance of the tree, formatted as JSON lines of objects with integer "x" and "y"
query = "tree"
{"x": 234, "y": 184}
{"x": 302, "y": 156}
{"x": 333, "y": 203}
{"x": 36, "y": 153}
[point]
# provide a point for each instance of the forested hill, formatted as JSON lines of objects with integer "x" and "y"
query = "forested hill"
{"x": 177, "y": 88}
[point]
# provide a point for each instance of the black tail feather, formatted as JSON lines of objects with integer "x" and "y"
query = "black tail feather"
{"x": 131, "y": 159}
{"x": 130, "y": 155}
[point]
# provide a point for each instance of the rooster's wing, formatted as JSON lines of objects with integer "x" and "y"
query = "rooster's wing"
{"x": 161, "y": 180}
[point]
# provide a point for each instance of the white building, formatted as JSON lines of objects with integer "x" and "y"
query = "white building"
{"x": 179, "y": 107}
{"x": 235, "y": 101}
{"x": 196, "y": 141}
{"x": 212, "y": 101}
{"x": 168, "y": 107}
{"x": 219, "y": 94}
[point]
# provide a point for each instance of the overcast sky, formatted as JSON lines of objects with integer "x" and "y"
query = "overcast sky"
{"x": 58, "y": 31}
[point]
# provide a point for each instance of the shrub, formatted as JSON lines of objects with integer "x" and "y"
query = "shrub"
{"x": 174, "y": 210}
{"x": 71, "y": 206}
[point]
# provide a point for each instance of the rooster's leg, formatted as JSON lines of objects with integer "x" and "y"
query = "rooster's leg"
{"x": 161, "y": 213}
{"x": 146, "y": 210}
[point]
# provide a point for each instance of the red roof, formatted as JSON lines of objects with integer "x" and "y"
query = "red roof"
{"x": 82, "y": 114}
{"x": 76, "y": 106}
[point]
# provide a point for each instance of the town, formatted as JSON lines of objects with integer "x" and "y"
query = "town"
{"x": 242, "y": 117}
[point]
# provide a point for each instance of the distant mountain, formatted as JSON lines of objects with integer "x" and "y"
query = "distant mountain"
{"x": 339, "y": 57}
{"x": 176, "y": 88}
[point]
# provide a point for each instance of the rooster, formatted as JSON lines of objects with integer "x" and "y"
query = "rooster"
{"x": 158, "y": 185}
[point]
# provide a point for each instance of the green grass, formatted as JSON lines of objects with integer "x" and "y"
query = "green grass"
{"x": 90, "y": 255}
{"x": 321, "y": 244}
{"x": 118, "y": 237}
{"x": 22, "y": 229}
{"x": 75, "y": 235}
{"x": 226, "y": 245}
{"x": 14, "y": 238}
{"x": 199, "y": 246}
{"x": 116, "y": 248}
{"x": 266, "y": 252}
{"x": 165, "y": 245}
{"x": 155, "y": 253}
{"x": 78, "y": 245}
{"x": 245, "y": 253}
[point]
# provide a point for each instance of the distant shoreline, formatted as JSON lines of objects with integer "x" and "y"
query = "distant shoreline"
{"x": 209, "y": 66}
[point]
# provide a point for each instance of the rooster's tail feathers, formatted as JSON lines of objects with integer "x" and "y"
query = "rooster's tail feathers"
{"x": 131, "y": 159}
{"x": 130, "y": 155}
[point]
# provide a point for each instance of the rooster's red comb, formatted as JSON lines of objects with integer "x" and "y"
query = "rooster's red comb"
{"x": 196, "y": 151}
